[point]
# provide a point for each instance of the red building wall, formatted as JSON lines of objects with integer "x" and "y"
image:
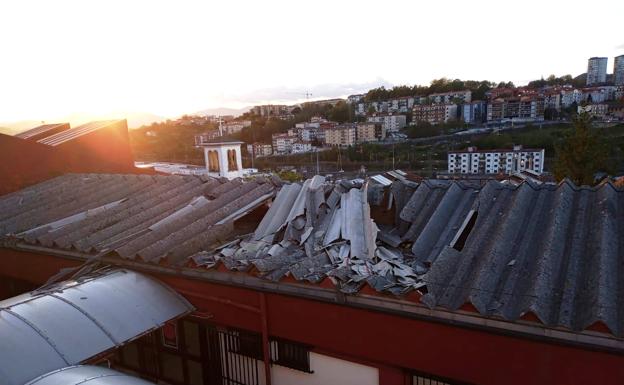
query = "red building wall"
{"x": 106, "y": 150}
{"x": 392, "y": 343}
{"x": 24, "y": 162}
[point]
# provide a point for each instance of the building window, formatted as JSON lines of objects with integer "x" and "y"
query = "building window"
{"x": 247, "y": 344}
{"x": 291, "y": 355}
{"x": 232, "y": 162}
{"x": 213, "y": 161}
{"x": 427, "y": 379}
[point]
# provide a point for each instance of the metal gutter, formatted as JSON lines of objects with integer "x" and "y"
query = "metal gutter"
{"x": 519, "y": 329}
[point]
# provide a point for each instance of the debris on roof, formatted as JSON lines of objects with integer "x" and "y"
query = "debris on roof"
{"x": 318, "y": 230}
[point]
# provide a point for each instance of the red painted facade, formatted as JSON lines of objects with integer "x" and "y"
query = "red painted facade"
{"x": 25, "y": 162}
{"x": 392, "y": 343}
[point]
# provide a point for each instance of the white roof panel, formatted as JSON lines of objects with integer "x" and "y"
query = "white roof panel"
{"x": 87, "y": 375}
{"x": 73, "y": 321}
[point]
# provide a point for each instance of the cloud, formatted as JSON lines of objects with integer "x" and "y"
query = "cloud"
{"x": 621, "y": 46}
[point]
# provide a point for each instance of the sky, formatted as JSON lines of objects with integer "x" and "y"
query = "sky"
{"x": 110, "y": 58}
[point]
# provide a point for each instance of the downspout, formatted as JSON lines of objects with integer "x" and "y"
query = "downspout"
{"x": 265, "y": 338}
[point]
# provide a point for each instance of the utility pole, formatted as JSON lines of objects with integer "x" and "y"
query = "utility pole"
{"x": 318, "y": 170}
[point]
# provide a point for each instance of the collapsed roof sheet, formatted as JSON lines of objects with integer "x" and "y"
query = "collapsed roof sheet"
{"x": 72, "y": 321}
{"x": 316, "y": 231}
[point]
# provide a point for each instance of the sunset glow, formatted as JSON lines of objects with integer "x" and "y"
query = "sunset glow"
{"x": 110, "y": 58}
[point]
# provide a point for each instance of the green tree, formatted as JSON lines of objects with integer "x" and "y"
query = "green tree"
{"x": 340, "y": 112}
{"x": 581, "y": 154}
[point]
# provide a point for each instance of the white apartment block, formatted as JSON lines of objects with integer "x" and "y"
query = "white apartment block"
{"x": 260, "y": 149}
{"x": 570, "y": 96}
{"x": 391, "y": 123}
{"x": 450, "y": 97}
{"x": 598, "y": 110}
{"x": 472, "y": 161}
{"x": 270, "y": 110}
{"x": 597, "y": 70}
{"x": 599, "y": 94}
{"x": 363, "y": 108}
{"x": 401, "y": 105}
{"x": 299, "y": 147}
{"x": 282, "y": 143}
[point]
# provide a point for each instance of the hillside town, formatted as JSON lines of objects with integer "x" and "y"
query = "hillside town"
{"x": 459, "y": 232}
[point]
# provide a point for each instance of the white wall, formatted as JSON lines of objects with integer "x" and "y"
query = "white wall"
{"x": 327, "y": 370}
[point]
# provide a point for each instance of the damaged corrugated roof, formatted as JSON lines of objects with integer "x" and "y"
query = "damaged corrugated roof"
{"x": 554, "y": 251}
{"x": 316, "y": 231}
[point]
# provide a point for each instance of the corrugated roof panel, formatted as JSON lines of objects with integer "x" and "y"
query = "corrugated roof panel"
{"x": 72, "y": 321}
{"x": 73, "y": 133}
{"x": 90, "y": 375}
{"x": 43, "y": 130}
{"x": 556, "y": 252}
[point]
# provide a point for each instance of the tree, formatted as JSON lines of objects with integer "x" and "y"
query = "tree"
{"x": 340, "y": 112}
{"x": 581, "y": 155}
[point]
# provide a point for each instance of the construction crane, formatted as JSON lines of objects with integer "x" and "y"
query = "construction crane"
{"x": 307, "y": 94}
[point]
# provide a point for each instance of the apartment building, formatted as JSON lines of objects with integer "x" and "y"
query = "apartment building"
{"x": 363, "y": 108}
{"x": 300, "y": 146}
{"x": 598, "y": 110}
{"x": 434, "y": 113}
{"x": 618, "y": 70}
{"x": 464, "y": 96}
{"x": 401, "y": 105}
{"x": 270, "y": 110}
{"x": 370, "y": 132}
{"x": 391, "y": 123}
{"x": 526, "y": 108}
{"x": 282, "y": 143}
{"x": 509, "y": 161}
{"x": 260, "y": 149}
{"x": 233, "y": 127}
{"x": 474, "y": 112}
{"x": 352, "y": 99}
{"x": 597, "y": 70}
{"x": 570, "y": 96}
{"x": 344, "y": 135}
